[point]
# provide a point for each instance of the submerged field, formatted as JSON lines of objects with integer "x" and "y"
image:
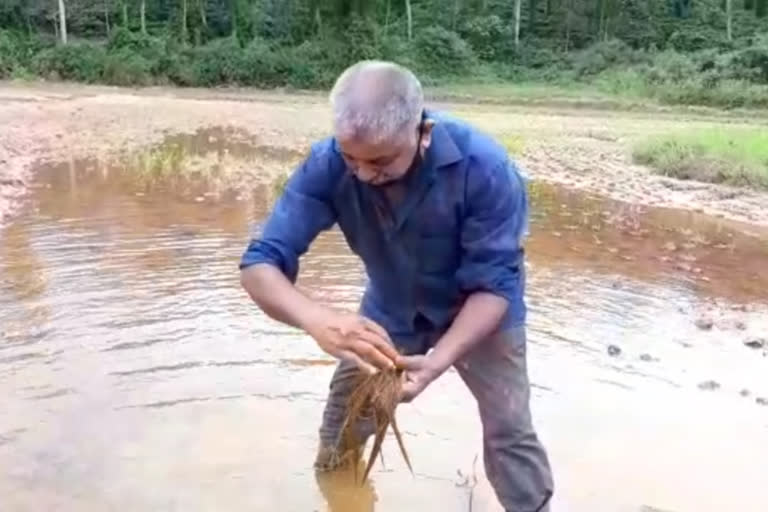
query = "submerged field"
{"x": 137, "y": 375}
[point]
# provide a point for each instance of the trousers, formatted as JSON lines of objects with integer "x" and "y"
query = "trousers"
{"x": 495, "y": 371}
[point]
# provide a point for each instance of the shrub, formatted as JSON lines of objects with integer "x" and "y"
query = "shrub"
{"x": 670, "y": 66}
{"x": 486, "y": 36}
{"x": 442, "y": 52}
{"x": 82, "y": 62}
{"x": 9, "y": 50}
{"x": 16, "y": 51}
{"x": 258, "y": 65}
{"x": 218, "y": 62}
{"x": 124, "y": 67}
{"x": 604, "y": 55}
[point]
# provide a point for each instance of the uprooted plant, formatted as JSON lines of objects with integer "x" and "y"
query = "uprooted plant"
{"x": 374, "y": 398}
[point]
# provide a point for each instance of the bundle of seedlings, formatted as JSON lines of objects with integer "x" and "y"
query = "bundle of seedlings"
{"x": 374, "y": 398}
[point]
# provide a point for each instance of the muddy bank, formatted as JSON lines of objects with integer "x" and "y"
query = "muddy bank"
{"x": 582, "y": 149}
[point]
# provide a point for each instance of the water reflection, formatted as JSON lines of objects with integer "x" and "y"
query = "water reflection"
{"x": 343, "y": 494}
{"x": 134, "y": 368}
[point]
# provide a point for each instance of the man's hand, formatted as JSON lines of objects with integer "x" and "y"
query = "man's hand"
{"x": 355, "y": 338}
{"x": 419, "y": 373}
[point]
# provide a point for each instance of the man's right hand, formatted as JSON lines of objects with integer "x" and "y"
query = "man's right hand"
{"x": 355, "y": 338}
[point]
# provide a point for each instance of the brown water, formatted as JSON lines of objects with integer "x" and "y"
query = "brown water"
{"x": 136, "y": 375}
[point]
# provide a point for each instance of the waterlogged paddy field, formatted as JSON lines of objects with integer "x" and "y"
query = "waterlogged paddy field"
{"x": 136, "y": 375}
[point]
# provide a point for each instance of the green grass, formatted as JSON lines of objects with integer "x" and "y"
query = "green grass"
{"x": 736, "y": 156}
{"x": 535, "y": 92}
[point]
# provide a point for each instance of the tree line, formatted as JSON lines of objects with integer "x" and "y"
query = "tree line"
{"x": 569, "y": 23}
{"x": 720, "y": 43}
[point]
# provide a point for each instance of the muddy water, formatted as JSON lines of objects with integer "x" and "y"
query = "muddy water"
{"x": 135, "y": 374}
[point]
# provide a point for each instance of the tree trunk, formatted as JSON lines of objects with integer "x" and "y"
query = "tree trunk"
{"x": 319, "y": 20}
{"x": 143, "y": 14}
{"x": 386, "y": 17}
{"x": 568, "y": 13}
{"x": 184, "y": 29}
{"x": 125, "y": 13}
{"x": 409, "y": 15}
{"x": 518, "y": 4}
{"x": 233, "y": 15}
{"x": 203, "y": 15}
{"x": 106, "y": 16}
{"x": 63, "y": 21}
{"x": 531, "y": 16}
{"x": 456, "y": 10}
{"x": 729, "y": 19}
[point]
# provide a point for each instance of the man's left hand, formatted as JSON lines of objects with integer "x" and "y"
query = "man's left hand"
{"x": 420, "y": 371}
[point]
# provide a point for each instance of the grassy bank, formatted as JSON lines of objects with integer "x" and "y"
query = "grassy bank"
{"x": 609, "y": 72}
{"x": 733, "y": 156}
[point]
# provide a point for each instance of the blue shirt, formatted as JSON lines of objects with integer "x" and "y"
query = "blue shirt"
{"x": 459, "y": 229}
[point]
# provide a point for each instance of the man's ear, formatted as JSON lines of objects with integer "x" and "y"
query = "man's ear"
{"x": 426, "y": 133}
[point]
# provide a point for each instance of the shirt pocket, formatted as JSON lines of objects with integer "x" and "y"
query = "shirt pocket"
{"x": 438, "y": 253}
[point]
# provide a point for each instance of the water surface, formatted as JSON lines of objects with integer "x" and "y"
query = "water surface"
{"x": 136, "y": 374}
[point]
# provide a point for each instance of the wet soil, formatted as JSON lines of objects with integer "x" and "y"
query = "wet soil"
{"x": 137, "y": 375}
{"x": 582, "y": 149}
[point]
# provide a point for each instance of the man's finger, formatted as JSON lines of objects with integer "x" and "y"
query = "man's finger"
{"x": 373, "y": 326}
{"x": 371, "y": 354}
{"x": 411, "y": 363}
{"x": 364, "y": 366}
{"x": 381, "y": 346}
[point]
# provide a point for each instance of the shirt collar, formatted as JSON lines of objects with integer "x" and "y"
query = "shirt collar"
{"x": 442, "y": 149}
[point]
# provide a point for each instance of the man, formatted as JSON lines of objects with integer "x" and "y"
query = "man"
{"x": 437, "y": 212}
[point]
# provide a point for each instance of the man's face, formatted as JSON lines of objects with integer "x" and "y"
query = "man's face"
{"x": 385, "y": 162}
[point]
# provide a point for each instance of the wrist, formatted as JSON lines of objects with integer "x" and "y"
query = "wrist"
{"x": 310, "y": 315}
{"x": 438, "y": 363}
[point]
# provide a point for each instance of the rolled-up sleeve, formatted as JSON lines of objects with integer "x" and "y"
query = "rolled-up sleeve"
{"x": 495, "y": 224}
{"x": 302, "y": 211}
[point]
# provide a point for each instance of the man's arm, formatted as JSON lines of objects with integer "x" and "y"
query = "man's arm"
{"x": 490, "y": 272}
{"x": 270, "y": 265}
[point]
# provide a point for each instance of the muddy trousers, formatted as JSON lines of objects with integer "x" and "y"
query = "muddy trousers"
{"x": 516, "y": 463}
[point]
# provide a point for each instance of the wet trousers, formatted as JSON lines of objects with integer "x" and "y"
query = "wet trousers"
{"x": 495, "y": 371}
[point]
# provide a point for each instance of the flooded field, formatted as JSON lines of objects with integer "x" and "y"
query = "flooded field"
{"x": 136, "y": 375}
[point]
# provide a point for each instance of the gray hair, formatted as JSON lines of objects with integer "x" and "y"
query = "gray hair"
{"x": 376, "y": 100}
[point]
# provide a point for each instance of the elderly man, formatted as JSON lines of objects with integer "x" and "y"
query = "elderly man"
{"x": 437, "y": 212}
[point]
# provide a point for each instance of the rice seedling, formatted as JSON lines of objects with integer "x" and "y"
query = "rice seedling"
{"x": 375, "y": 397}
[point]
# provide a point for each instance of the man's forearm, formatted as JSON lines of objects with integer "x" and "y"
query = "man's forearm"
{"x": 479, "y": 318}
{"x": 277, "y": 296}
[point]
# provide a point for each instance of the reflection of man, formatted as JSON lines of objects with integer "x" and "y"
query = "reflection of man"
{"x": 437, "y": 212}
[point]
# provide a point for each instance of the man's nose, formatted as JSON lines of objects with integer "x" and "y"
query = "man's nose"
{"x": 366, "y": 173}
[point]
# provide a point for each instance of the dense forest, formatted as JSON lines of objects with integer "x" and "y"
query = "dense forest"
{"x": 677, "y": 51}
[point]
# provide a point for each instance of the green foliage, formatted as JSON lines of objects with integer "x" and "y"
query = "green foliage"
{"x": 605, "y": 55}
{"x": 735, "y": 156}
{"x": 80, "y": 62}
{"x": 488, "y": 36}
{"x": 123, "y": 67}
{"x": 217, "y": 62}
{"x": 440, "y": 52}
{"x": 671, "y": 51}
